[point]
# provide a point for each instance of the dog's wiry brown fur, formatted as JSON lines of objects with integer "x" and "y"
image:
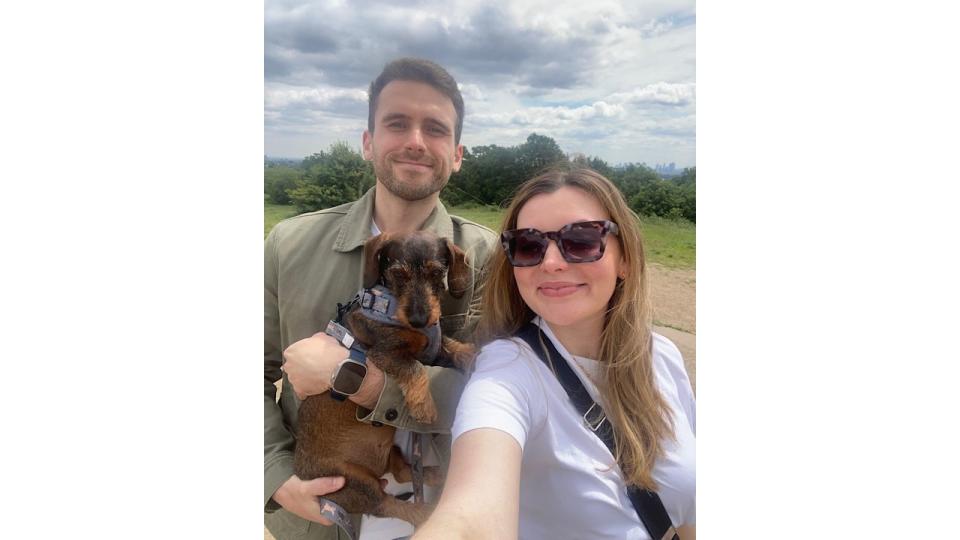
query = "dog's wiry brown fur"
{"x": 330, "y": 441}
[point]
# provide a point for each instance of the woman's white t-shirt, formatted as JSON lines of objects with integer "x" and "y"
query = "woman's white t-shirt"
{"x": 570, "y": 484}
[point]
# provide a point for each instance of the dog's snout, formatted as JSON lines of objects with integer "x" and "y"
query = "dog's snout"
{"x": 418, "y": 319}
{"x": 418, "y": 312}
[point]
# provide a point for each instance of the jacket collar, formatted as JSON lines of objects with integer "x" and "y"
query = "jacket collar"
{"x": 356, "y": 225}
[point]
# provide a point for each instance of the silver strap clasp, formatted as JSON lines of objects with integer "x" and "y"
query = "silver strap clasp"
{"x": 592, "y": 419}
{"x": 671, "y": 534}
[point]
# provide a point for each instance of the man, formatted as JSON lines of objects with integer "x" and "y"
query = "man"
{"x": 314, "y": 260}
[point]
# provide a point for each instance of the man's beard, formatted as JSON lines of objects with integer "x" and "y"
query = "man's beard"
{"x": 411, "y": 190}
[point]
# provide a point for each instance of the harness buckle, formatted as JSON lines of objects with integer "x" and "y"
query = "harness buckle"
{"x": 340, "y": 333}
{"x": 366, "y": 299}
{"x": 597, "y": 420}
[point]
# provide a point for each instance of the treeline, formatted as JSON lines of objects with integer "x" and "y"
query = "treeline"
{"x": 489, "y": 176}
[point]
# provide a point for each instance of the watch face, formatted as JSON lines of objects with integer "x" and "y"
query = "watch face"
{"x": 349, "y": 377}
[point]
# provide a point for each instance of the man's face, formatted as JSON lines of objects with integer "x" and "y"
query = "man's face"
{"x": 412, "y": 145}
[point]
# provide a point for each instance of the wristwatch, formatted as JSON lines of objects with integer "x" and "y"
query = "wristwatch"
{"x": 349, "y": 374}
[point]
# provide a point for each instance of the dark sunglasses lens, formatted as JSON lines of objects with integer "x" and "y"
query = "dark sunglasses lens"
{"x": 527, "y": 248}
{"x": 583, "y": 243}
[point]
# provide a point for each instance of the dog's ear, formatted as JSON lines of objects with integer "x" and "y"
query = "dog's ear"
{"x": 458, "y": 273}
{"x": 371, "y": 259}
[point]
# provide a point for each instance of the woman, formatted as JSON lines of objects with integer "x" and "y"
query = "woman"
{"x": 524, "y": 463}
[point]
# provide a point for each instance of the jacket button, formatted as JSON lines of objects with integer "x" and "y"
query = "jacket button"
{"x": 391, "y": 414}
{"x": 376, "y": 424}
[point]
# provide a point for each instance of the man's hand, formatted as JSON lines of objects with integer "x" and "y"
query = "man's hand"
{"x": 300, "y": 497}
{"x": 310, "y": 362}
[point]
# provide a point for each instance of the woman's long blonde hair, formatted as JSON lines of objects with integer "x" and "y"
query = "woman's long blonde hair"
{"x": 639, "y": 414}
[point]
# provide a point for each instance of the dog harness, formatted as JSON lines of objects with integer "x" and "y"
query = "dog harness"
{"x": 379, "y": 304}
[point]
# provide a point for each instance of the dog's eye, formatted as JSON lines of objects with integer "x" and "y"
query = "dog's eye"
{"x": 398, "y": 273}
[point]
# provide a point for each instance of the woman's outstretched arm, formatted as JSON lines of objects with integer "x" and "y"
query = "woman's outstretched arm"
{"x": 481, "y": 497}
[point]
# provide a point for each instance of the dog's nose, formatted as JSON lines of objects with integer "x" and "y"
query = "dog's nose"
{"x": 418, "y": 319}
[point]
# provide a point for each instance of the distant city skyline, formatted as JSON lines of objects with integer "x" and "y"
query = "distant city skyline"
{"x": 616, "y": 81}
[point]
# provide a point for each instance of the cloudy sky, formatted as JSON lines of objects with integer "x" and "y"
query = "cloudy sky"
{"x": 603, "y": 78}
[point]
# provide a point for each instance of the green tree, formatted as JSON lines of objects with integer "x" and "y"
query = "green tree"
{"x": 632, "y": 178}
{"x": 596, "y": 164}
{"x": 688, "y": 193}
{"x": 332, "y": 178}
{"x": 279, "y": 179}
{"x": 490, "y": 174}
{"x": 687, "y": 177}
{"x": 537, "y": 152}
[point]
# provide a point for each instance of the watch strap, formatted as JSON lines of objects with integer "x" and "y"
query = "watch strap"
{"x": 341, "y": 334}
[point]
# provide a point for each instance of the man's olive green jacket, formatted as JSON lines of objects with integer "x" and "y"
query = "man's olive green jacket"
{"x": 311, "y": 262}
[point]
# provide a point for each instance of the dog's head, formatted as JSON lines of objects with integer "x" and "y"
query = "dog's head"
{"x": 416, "y": 267}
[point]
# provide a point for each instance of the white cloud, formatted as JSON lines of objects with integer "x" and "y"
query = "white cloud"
{"x": 540, "y": 117}
{"x": 471, "y": 92}
{"x": 662, "y": 93}
{"x": 656, "y": 27}
{"x": 278, "y": 98}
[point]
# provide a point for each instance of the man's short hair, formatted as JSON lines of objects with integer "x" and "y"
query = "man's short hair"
{"x": 417, "y": 70}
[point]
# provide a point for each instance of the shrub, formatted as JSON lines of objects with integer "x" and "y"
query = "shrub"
{"x": 332, "y": 178}
{"x": 277, "y": 181}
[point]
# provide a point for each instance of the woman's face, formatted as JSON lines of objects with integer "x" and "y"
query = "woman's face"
{"x": 568, "y": 294}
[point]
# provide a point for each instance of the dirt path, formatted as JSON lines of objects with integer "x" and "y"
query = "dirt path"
{"x": 673, "y": 293}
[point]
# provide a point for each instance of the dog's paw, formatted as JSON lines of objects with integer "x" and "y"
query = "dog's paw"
{"x": 463, "y": 358}
{"x": 462, "y": 354}
{"x": 424, "y": 411}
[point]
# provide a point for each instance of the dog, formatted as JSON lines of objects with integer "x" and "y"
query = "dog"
{"x": 416, "y": 268}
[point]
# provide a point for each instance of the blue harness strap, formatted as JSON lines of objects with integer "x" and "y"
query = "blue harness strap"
{"x": 379, "y": 304}
{"x": 335, "y": 513}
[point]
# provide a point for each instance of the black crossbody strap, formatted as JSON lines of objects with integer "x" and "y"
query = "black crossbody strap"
{"x": 648, "y": 505}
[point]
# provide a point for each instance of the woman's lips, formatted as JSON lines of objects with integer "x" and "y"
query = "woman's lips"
{"x": 558, "y": 289}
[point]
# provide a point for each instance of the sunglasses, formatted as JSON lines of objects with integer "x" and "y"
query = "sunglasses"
{"x": 579, "y": 242}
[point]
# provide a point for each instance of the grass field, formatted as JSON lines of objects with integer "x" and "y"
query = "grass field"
{"x": 275, "y": 213}
{"x": 670, "y": 243}
{"x": 667, "y": 242}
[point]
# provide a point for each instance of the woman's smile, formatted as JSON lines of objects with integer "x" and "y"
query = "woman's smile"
{"x": 559, "y": 288}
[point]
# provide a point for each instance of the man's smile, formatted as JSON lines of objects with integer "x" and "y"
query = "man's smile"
{"x": 418, "y": 164}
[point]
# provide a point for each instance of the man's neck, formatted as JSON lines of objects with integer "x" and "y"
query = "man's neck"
{"x": 395, "y": 215}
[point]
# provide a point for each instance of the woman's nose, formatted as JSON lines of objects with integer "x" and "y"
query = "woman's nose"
{"x": 552, "y": 258}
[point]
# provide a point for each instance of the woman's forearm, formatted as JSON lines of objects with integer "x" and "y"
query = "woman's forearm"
{"x": 480, "y": 500}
